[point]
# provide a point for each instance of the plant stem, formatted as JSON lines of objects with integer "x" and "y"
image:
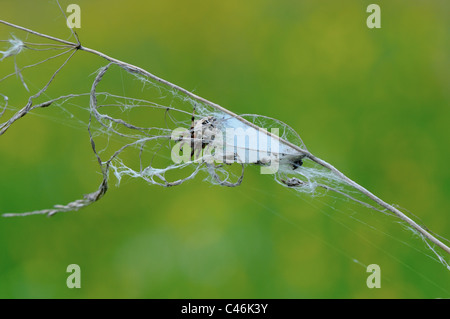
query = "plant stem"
{"x": 136, "y": 69}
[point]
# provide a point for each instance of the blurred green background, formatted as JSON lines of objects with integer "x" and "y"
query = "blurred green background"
{"x": 374, "y": 103}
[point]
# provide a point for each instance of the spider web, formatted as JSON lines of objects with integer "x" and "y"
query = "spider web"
{"x": 131, "y": 134}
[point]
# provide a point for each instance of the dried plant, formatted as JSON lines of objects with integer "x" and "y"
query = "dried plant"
{"x": 298, "y": 168}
